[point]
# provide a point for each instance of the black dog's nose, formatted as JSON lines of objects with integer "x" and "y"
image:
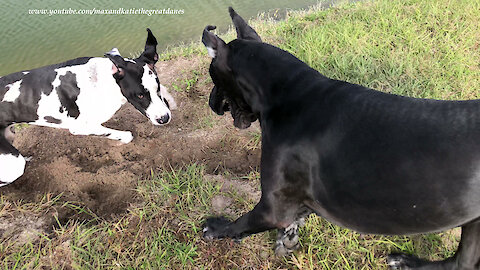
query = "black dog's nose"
{"x": 164, "y": 119}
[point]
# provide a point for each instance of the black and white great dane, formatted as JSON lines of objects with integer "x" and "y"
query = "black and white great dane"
{"x": 366, "y": 160}
{"x": 80, "y": 95}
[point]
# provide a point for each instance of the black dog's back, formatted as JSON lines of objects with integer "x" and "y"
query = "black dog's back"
{"x": 386, "y": 163}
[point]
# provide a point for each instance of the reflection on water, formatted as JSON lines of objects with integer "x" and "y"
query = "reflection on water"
{"x": 29, "y": 41}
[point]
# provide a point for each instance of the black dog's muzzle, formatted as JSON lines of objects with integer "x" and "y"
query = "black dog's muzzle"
{"x": 218, "y": 102}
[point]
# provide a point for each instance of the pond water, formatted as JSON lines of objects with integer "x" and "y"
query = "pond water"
{"x": 32, "y": 39}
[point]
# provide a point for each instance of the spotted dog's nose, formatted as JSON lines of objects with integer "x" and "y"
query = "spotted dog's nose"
{"x": 164, "y": 119}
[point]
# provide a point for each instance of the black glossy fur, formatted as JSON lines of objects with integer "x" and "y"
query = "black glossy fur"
{"x": 363, "y": 159}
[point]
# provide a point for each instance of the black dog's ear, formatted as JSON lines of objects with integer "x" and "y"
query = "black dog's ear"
{"x": 244, "y": 31}
{"x": 214, "y": 44}
{"x": 118, "y": 67}
{"x": 150, "y": 55}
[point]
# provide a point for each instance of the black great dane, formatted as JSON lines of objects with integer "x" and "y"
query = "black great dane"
{"x": 366, "y": 160}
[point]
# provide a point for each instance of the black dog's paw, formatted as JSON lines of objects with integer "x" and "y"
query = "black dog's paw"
{"x": 399, "y": 261}
{"x": 214, "y": 228}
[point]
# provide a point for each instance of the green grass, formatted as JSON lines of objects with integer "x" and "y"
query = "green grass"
{"x": 426, "y": 49}
{"x": 163, "y": 231}
{"x": 184, "y": 50}
{"x": 419, "y": 48}
{"x": 207, "y": 121}
{"x": 187, "y": 83}
{"x": 255, "y": 140}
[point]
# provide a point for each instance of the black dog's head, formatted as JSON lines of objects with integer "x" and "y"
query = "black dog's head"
{"x": 229, "y": 94}
{"x": 139, "y": 83}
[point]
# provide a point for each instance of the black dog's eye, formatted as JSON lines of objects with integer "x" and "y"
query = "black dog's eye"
{"x": 140, "y": 96}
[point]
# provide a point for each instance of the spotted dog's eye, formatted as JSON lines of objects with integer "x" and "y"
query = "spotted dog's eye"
{"x": 140, "y": 96}
{"x": 150, "y": 72}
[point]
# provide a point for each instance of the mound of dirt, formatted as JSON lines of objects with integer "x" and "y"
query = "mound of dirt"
{"x": 223, "y": 205}
{"x": 22, "y": 229}
{"x": 102, "y": 174}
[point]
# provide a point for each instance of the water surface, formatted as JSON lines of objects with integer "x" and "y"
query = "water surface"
{"x": 30, "y": 41}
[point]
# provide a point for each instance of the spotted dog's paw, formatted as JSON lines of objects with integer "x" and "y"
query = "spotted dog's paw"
{"x": 123, "y": 137}
{"x": 399, "y": 261}
{"x": 214, "y": 228}
{"x": 126, "y": 137}
{"x": 11, "y": 168}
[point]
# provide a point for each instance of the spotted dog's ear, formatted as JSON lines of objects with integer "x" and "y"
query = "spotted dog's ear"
{"x": 118, "y": 67}
{"x": 244, "y": 31}
{"x": 150, "y": 55}
{"x": 215, "y": 45}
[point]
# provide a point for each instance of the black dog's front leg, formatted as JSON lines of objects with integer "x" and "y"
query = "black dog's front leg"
{"x": 258, "y": 220}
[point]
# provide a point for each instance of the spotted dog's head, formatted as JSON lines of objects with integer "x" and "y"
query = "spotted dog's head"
{"x": 139, "y": 83}
{"x": 230, "y": 92}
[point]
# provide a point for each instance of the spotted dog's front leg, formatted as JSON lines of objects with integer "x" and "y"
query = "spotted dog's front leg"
{"x": 172, "y": 105}
{"x": 12, "y": 163}
{"x": 122, "y": 136}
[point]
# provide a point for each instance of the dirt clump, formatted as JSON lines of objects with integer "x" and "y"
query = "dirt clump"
{"x": 21, "y": 229}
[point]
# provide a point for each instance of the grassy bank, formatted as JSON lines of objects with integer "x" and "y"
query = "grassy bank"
{"x": 418, "y": 48}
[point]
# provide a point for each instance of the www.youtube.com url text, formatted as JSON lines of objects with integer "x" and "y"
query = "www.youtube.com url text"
{"x": 94, "y": 11}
